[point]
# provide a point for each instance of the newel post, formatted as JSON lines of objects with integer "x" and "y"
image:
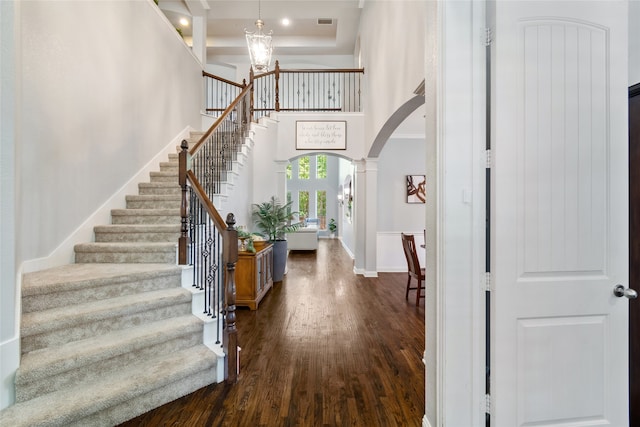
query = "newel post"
{"x": 230, "y": 342}
{"x": 251, "y": 80}
{"x": 182, "y": 181}
{"x": 277, "y": 97}
{"x": 246, "y": 113}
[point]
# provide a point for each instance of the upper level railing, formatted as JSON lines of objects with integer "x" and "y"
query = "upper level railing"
{"x": 320, "y": 90}
{"x": 219, "y": 93}
{"x": 311, "y": 90}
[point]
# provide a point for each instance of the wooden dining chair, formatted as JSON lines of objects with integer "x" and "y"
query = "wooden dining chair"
{"x": 413, "y": 266}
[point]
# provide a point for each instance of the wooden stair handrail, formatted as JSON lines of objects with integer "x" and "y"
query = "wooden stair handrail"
{"x": 219, "y": 120}
{"x": 205, "y": 201}
{"x": 223, "y": 80}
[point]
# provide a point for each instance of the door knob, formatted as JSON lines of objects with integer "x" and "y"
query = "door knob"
{"x": 620, "y": 291}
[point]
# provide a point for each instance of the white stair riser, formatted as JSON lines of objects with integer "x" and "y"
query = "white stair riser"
{"x": 153, "y": 204}
{"x": 159, "y": 188}
{"x": 165, "y": 176}
{"x": 137, "y": 218}
{"x": 126, "y": 257}
{"x": 137, "y": 237}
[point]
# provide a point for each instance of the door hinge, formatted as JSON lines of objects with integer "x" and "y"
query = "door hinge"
{"x": 487, "y": 281}
{"x": 488, "y": 159}
{"x": 487, "y": 404}
{"x": 488, "y": 36}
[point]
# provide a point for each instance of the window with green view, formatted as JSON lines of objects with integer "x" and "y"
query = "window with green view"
{"x": 321, "y": 166}
{"x": 303, "y": 167}
{"x": 303, "y": 203}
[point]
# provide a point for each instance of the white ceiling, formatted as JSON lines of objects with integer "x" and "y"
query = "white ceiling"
{"x": 228, "y": 19}
{"x": 304, "y": 37}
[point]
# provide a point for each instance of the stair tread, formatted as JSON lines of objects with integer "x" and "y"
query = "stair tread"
{"x": 146, "y": 211}
{"x": 125, "y": 246}
{"x": 130, "y": 228}
{"x": 76, "y": 276}
{"x": 38, "y": 364}
{"x": 163, "y": 173}
{"x": 75, "y": 403}
{"x": 163, "y": 197}
{"x": 39, "y": 322}
{"x": 159, "y": 184}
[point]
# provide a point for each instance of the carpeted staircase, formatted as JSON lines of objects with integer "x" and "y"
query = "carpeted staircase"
{"x": 113, "y": 336}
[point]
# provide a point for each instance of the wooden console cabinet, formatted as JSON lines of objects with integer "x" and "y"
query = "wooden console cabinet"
{"x": 254, "y": 276}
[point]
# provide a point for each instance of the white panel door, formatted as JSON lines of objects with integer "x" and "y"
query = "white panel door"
{"x": 559, "y": 214}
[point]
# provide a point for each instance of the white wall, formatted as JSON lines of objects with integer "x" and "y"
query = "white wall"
{"x": 265, "y": 181}
{"x": 398, "y": 158}
{"x": 392, "y": 35}
{"x": 9, "y": 105}
{"x": 104, "y": 84}
{"x": 286, "y": 148}
{"x": 634, "y": 42}
{"x": 101, "y": 88}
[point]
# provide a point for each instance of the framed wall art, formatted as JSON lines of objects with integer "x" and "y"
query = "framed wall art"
{"x": 321, "y": 135}
{"x": 416, "y": 189}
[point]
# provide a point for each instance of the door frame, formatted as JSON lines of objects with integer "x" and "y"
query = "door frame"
{"x": 634, "y": 255}
{"x": 455, "y": 107}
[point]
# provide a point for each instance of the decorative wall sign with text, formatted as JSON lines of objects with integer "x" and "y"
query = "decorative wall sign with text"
{"x": 321, "y": 135}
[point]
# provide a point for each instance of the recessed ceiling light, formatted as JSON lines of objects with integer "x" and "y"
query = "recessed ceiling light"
{"x": 184, "y": 22}
{"x": 285, "y": 22}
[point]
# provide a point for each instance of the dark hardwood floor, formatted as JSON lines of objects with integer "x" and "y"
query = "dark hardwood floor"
{"x": 325, "y": 348}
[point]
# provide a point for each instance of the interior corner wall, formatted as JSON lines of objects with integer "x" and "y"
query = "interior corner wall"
{"x": 392, "y": 36}
{"x": 105, "y": 86}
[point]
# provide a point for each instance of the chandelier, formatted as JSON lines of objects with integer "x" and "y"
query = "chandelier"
{"x": 260, "y": 47}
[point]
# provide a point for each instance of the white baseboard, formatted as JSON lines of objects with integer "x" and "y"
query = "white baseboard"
{"x": 9, "y": 363}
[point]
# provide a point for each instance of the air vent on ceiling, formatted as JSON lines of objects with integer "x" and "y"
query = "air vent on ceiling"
{"x": 325, "y": 21}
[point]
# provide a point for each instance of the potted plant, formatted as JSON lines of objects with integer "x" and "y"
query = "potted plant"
{"x": 333, "y": 227}
{"x": 273, "y": 219}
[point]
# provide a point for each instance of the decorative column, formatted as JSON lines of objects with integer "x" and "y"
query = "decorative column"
{"x": 371, "y": 225}
{"x": 359, "y": 215}
{"x": 281, "y": 179}
{"x": 199, "y": 38}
